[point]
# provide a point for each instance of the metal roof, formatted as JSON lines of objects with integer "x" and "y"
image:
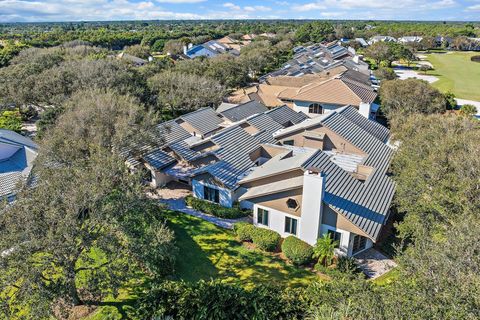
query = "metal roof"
{"x": 378, "y": 152}
{"x": 285, "y": 115}
{"x": 159, "y": 159}
{"x": 205, "y": 120}
{"x": 244, "y": 111}
{"x": 18, "y": 155}
{"x": 267, "y": 127}
{"x": 183, "y": 150}
{"x": 171, "y": 132}
{"x": 372, "y": 127}
{"x": 365, "y": 204}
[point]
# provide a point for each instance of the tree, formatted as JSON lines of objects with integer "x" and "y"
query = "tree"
{"x": 468, "y": 110}
{"x": 324, "y": 249}
{"x": 379, "y": 51}
{"x": 174, "y": 46}
{"x": 424, "y": 68}
{"x": 450, "y": 99}
{"x": 410, "y": 96}
{"x": 316, "y": 31}
{"x": 11, "y": 120}
{"x": 87, "y": 226}
{"x": 182, "y": 92}
{"x": 138, "y": 51}
{"x": 385, "y": 73}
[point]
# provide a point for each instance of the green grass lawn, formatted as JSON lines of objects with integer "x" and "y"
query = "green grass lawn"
{"x": 209, "y": 252}
{"x": 457, "y": 74}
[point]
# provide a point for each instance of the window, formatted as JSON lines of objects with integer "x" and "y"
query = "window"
{"x": 292, "y": 203}
{"x": 359, "y": 243}
{"x": 288, "y": 142}
{"x": 315, "y": 108}
{"x": 211, "y": 194}
{"x": 336, "y": 236}
{"x": 262, "y": 216}
{"x": 290, "y": 225}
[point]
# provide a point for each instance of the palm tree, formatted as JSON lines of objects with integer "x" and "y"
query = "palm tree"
{"x": 324, "y": 249}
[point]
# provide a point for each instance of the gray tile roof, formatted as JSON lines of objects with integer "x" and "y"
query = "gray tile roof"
{"x": 285, "y": 115}
{"x": 365, "y": 92}
{"x": 158, "y": 159}
{"x": 365, "y": 204}
{"x": 205, "y": 120}
{"x": 244, "y": 111}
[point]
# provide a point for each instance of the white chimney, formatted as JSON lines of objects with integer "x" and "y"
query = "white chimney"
{"x": 312, "y": 205}
{"x": 190, "y": 46}
{"x": 185, "y": 49}
{"x": 364, "y": 109}
{"x": 356, "y": 59}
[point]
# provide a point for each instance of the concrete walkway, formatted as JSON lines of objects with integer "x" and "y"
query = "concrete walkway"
{"x": 173, "y": 195}
{"x": 373, "y": 263}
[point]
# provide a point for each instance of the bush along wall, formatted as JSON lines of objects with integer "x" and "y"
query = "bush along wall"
{"x": 297, "y": 251}
{"x": 215, "y": 209}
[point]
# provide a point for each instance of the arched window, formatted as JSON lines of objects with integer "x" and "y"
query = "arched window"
{"x": 315, "y": 108}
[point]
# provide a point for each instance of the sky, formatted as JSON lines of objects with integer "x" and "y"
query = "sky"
{"x": 95, "y": 10}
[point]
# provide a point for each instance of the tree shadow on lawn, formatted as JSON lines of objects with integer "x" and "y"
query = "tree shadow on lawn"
{"x": 208, "y": 252}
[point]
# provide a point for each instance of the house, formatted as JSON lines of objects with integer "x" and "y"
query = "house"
{"x": 410, "y": 39}
{"x": 231, "y": 43}
{"x": 315, "y": 94}
{"x": 17, "y": 154}
{"x": 362, "y": 42}
{"x": 136, "y": 61}
{"x": 208, "y": 49}
{"x": 329, "y": 176}
{"x": 376, "y": 39}
{"x": 212, "y": 151}
{"x": 316, "y": 59}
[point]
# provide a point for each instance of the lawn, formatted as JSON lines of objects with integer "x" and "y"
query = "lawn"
{"x": 209, "y": 252}
{"x": 457, "y": 74}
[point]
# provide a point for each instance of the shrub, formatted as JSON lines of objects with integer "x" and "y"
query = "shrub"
{"x": 265, "y": 239}
{"x": 297, "y": 251}
{"x": 215, "y": 209}
{"x": 347, "y": 265}
{"x": 244, "y": 231}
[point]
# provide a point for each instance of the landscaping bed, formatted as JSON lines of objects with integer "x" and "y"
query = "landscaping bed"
{"x": 216, "y": 210}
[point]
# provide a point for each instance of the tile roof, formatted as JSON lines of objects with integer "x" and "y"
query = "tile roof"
{"x": 171, "y": 132}
{"x": 205, "y": 120}
{"x": 244, "y": 111}
{"x": 267, "y": 127}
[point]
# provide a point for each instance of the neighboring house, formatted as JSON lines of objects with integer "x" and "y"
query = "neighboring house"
{"x": 136, "y": 61}
{"x": 315, "y": 94}
{"x": 213, "y": 163}
{"x": 376, "y": 39}
{"x": 209, "y": 49}
{"x": 329, "y": 177}
{"x": 441, "y": 41}
{"x": 17, "y": 154}
{"x": 316, "y": 59}
{"x": 362, "y": 42}
{"x": 410, "y": 39}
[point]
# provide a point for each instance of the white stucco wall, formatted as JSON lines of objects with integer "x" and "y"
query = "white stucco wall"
{"x": 276, "y": 220}
{"x": 303, "y": 107}
{"x": 225, "y": 195}
{"x": 345, "y": 247}
{"x": 159, "y": 179}
{"x": 312, "y": 205}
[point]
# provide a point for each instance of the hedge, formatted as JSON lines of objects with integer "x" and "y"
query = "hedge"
{"x": 297, "y": 251}
{"x": 266, "y": 239}
{"x": 215, "y": 209}
{"x": 244, "y": 230}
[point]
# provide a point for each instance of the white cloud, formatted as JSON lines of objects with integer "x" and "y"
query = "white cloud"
{"x": 475, "y": 7}
{"x": 256, "y": 8}
{"x": 309, "y": 7}
{"x": 231, "y": 6}
{"x": 180, "y": 1}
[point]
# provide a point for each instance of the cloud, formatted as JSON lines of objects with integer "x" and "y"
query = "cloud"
{"x": 180, "y": 1}
{"x": 475, "y": 7}
{"x": 309, "y": 7}
{"x": 232, "y": 6}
